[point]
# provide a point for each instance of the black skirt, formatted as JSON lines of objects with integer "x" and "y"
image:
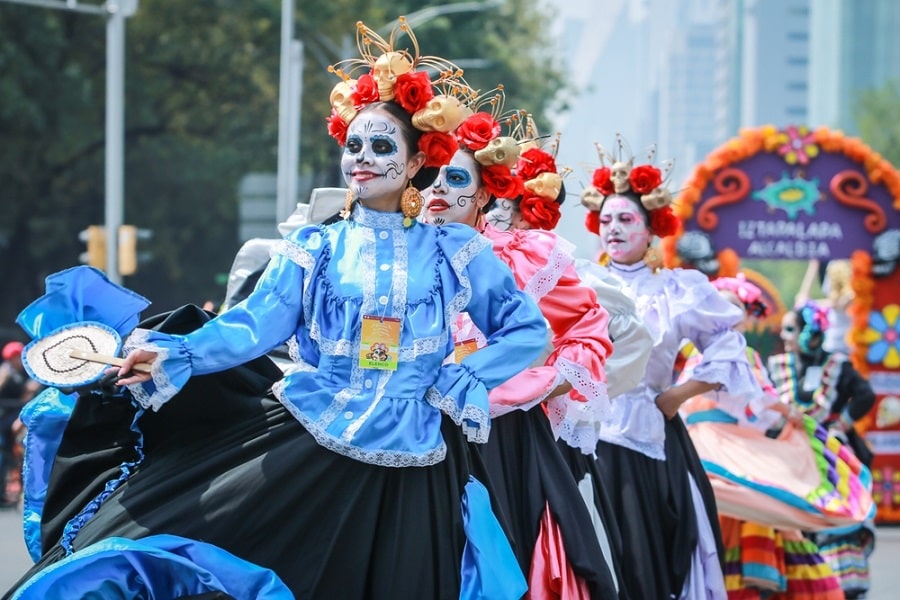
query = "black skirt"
{"x": 529, "y": 474}
{"x": 228, "y": 466}
{"x": 655, "y": 511}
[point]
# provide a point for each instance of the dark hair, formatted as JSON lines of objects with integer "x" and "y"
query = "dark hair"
{"x": 809, "y": 336}
{"x": 426, "y": 175}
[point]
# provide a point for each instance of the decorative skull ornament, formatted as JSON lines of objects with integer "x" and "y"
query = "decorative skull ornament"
{"x": 442, "y": 113}
{"x": 342, "y": 100}
{"x": 658, "y": 198}
{"x": 619, "y": 176}
{"x": 545, "y": 185}
{"x": 591, "y": 198}
{"x": 386, "y": 69}
{"x": 499, "y": 151}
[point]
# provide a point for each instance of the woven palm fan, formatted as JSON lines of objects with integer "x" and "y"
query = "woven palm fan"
{"x": 74, "y": 355}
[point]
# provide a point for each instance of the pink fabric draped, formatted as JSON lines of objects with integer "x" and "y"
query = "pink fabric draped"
{"x": 551, "y": 576}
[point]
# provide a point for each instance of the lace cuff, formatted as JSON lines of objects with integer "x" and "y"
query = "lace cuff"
{"x": 461, "y": 396}
{"x": 169, "y": 372}
{"x": 578, "y": 422}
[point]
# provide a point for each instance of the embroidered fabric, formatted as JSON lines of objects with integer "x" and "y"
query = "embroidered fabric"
{"x": 576, "y": 422}
{"x": 165, "y": 389}
{"x": 477, "y": 429}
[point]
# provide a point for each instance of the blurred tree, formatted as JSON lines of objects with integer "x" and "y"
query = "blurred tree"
{"x": 878, "y": 118}
{"x": 201, "y": 111}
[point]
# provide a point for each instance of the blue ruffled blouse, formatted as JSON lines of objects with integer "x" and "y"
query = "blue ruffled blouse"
{"x": 319, "y": 284}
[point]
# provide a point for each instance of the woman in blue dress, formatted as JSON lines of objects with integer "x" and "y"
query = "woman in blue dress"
{"x": 354, "y": 477}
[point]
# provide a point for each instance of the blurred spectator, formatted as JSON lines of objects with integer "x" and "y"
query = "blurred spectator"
{"x": 16, "y": 389}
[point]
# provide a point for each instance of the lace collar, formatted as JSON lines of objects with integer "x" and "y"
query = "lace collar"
{"x": 628, "y": 269}
{"x": 377, "y": 219}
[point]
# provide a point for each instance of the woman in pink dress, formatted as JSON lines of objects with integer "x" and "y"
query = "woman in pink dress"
{"x": 564, "y": 396}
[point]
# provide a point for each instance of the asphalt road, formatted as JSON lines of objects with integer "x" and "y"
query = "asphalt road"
{"x": 885, "y": 563}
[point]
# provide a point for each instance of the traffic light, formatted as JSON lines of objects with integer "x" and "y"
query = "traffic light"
{"x": 95, "y": 238}
{"x": 128, "y": 236}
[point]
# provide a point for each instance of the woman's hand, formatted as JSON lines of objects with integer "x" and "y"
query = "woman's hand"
{"x": 564, "y": 388}
{"x": 128, "y": 376}
{"x": 670, "y": 400}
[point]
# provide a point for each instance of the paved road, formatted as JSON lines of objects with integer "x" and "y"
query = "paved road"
{"x": 14, "y": 560}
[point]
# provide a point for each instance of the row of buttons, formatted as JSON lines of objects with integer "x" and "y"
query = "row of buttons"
{"x": 349, "y": 414}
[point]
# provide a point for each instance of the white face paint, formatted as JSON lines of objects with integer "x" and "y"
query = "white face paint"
{"x": 623, "y": 230}
{"x": 456, "y": 195}
{"x": 374, "y": 162}
{"x": 502, "y": 214}
{"x": 790, "y": 332}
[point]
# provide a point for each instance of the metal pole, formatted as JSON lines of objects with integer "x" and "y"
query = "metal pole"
{"x": 283, "y": 202}
{"x": 115, "y": 135}
{"x": 293, "y": 135}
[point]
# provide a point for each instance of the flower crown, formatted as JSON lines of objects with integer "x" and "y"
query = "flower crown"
{"x": 540, "y": 202}
{"x": 481, "y": 134}
{"x": 815, "y": 318}
{"x": 437, "y": 107}
{"x": 746, "y": 292}
{"x": 621, "y": 176}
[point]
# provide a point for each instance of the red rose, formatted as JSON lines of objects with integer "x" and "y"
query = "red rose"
{"x": 644, "y": 179}
{"x": 663, "y": 222}
{"x": 539, "y": 212}
{"x": 602, "y": 182}
{"x": 438, "y": 147}
{"x": 413, "y": 90}
{"x": 533, "y": 162}
{"x": 365, "y": 92}
{"x": 592, "y": 221}
{"x": 500, "y": 182}
{"x": 475, "y": 132}
{"x": 337, "y": 128}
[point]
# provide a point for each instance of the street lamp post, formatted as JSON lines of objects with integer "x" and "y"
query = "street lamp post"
{"x": 116, "y": 11}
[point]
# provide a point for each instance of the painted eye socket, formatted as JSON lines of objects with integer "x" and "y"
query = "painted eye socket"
{"x": 789, "y": 329}
{"x": 606, "y": 220}
{"x": 383, "y": 145}
{"x": 457, "y": 177}
{"x": 354, "y": 144}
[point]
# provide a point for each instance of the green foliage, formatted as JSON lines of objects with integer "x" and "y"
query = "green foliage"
{"x": 201, "y": 111}
{"x": 878, "y": 115}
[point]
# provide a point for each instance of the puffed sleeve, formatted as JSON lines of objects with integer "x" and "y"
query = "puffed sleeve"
{"x": 632, "y": 341}
{"x": 509, "y": 319}
{"x": 709, "y": 321}
{"x": 265, "y": 319}
{"x": 580, "y": 344}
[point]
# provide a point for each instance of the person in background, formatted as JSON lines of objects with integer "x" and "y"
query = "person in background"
{"x": 16, "y": 389}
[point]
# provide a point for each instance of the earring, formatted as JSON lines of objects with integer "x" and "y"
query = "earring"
{"x": 348, "y": 205}
{"x": 411, "y": 204}
{"x": 653, "y": 259}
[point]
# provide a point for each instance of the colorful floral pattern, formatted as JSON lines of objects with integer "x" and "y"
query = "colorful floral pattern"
{"x": 797, "y": 145}
{"x": 883, "y": 337}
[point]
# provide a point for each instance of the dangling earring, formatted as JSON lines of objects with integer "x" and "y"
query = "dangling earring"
{"x": 348, "y": 205}
{"x": 411, "y": 204}
{"x": 604, "y": 259}
{"x": 653, "y": 259}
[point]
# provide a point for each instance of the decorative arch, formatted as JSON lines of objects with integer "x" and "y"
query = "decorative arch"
{"x": 797, "y": 194}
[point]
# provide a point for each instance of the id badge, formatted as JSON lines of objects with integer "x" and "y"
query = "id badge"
{"x": 463, "y": 349}
{"x": 812, "y": 379}
{"x": 380, "y": 342}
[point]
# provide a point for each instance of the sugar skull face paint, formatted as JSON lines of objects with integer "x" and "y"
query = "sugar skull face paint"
{"x": 502, "y": 215}
{"x": 624, "y": 234}
{"x": 790, "y": 332}
{"x": 374, "y": 162}
{"x": 456, "y": 195}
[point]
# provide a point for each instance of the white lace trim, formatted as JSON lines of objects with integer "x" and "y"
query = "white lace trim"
{"x": 377, "y": 220}
{"x": 380, "y": 457}
{"x": 450, "y": 407}
{"x": 354, "y": 427}
{"x": 472, "y": 248}
{"x": 546, "y": 278}
{"x": 300, "y": 256}
{"x": 498, "y": 410}
{"x": 165, "y": 389}
{"x": 581, "y": 422}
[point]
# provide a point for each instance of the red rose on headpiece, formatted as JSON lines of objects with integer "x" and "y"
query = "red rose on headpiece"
{"x": 413, "y": 90}
{"x": 533, "y": 162}
{"x": 438, "y": 147}
{"x": 540, "y": 212}
{"x": 365, "y": 92}
{"x": 476, "y": 131}
{"x": 592, "y": 221}
{"x": 644, "y": 179}
{"x": 602, "y": 182}
{"x": 500, "y": 182}
{"x": 663, "y": 222}
{"x": 337, "y": 128}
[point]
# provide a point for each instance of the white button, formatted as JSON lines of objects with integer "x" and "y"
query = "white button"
{"x": 368, "y": 383}
{"x": 383, "y": 300}
{"x": 348, "y": 415}
{"x": 385, "y": 267}
{"x": 383, "y": 235}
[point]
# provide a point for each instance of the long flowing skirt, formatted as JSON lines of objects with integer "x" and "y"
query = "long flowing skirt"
{"x": 226, "y": 465}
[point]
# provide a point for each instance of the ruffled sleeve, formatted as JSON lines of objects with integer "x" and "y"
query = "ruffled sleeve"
{"x": 510, "y": 321}
{"x": 632, "y": 341}
{"x": 580, "y": 343}
{"x": 265, "y": 319}
{"x": 708, "y": 320}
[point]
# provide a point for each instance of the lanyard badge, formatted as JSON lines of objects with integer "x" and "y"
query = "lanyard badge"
{"x": 380, "y": 342}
